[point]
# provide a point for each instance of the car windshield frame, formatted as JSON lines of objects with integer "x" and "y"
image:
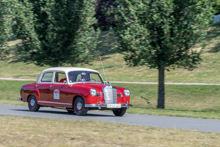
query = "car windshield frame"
{"x": 86, "y": 74}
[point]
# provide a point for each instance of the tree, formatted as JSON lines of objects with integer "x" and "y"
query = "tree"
{"x": 55, "y": 32}
{"x": 5, "y": 27}
{"x": 161, "y": 33}
{"x": 216, "y": 6}
{"x": 103, "y": 15}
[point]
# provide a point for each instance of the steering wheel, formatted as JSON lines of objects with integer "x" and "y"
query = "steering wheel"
{"x": 92, "y": 80}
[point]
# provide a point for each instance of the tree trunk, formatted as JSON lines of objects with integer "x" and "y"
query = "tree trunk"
{"x": 161, "y": 89}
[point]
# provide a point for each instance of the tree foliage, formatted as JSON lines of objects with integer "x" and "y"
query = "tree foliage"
{"x": 5, "y": 26}
{"x": 55, "y": 32}
{"x": 216, "y": 6}
{"x": 161, "y": 33}
{"x": 103, "y": 14}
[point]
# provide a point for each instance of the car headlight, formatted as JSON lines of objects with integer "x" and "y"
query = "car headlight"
{"x": 127, "y": 92}
{"x": 93, "y": 92}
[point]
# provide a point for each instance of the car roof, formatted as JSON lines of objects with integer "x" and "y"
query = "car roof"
{"x": 67, "y": 69}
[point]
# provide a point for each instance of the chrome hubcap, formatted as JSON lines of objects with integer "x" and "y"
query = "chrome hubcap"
{"x": 79, "y": 105}
{"x": 32, "y": 102}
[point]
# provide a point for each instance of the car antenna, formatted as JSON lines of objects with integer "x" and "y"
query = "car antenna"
{"x": 103, "y": 69}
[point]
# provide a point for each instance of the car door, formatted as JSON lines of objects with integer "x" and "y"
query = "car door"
{"x": 45, "y": 85}
{"x": 57, "y": 90}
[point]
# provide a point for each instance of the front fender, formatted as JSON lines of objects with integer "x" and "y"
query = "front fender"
{"x": 88, "y": 99}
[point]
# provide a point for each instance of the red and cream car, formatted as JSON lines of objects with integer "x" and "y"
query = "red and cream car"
{"x": 76, "y": 89}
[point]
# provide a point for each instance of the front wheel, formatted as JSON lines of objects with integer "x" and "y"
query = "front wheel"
{"x": 119, "y": 112}
{"x": 79, "y": 107}
{"x": 32, "y": 103}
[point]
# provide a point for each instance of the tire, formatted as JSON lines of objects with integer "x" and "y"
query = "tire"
{"x": 79, "y": 107}
{"x": 32, "y": 103}
{"x": 119, "y": 112}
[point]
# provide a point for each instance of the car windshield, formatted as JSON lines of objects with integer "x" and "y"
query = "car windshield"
{"x": 84, "y": 76}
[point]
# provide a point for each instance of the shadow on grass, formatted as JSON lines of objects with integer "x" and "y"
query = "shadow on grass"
{"x": 215, "y": 49}
{"x": 214, "y": 32}
{"x": 107, "y": 43}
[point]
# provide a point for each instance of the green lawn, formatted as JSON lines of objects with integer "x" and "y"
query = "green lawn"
{"x": 117, "y": 70}
{"x": 181, "y": 100}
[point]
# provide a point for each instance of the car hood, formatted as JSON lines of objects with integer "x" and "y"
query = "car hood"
{"x": 97, "y": 86}
{"x": 91, "y": 85}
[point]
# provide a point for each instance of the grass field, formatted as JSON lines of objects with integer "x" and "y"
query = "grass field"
{"x": 20, "y": 131}
{"x": 117, "y": 70}
{"x": 181, "y": 100}
{"x": 185, "y": 101}
{"x": 188, "y": 101}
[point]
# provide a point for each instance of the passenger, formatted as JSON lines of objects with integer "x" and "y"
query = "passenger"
{"x": 64, "y": 79}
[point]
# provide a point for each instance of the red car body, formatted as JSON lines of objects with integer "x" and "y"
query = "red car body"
{"x": 79, "y": 90}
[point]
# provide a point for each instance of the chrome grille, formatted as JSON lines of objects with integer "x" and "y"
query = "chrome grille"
{"x": 110, "y": 95}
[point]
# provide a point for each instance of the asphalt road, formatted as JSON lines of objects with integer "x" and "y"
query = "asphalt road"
{"x": 207, "y": 125}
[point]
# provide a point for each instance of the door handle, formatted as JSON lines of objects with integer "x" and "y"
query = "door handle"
{"x": 51, "y": 85}
{"x": 36, "y": 85}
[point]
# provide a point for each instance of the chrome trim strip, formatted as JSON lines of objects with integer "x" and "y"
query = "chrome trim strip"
{"x": 105, "y": 106}
{"x": 54, "y": 103}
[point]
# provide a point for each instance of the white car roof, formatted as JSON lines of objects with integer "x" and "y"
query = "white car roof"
{"x": 63, "y": 69}
{"x": 67, "y": 69}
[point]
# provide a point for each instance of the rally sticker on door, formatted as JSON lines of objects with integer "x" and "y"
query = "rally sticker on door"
{"x": 56, "y": 94}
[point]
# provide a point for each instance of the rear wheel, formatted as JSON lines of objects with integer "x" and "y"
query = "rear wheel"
{"x": 79, "y": 107}
{"x": 119, "y": 112}
{"x": 32, "y": 103}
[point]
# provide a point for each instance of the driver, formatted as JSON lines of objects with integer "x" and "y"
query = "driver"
{"x": 84, "y": 77}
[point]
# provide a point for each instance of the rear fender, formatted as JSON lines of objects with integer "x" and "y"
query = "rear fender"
{"x": 34, "y": 92}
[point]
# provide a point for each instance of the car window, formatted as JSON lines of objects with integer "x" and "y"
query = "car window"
{"x": 78, "y": 78}
{"x": 60, "y": 77}
{"x": 84, "y": 76}
{"x": 47, "y": 77}
{"x": 95, "y": 78}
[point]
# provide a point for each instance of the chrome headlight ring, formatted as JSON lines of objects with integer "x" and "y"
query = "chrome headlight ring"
{"x": 127, "y": 92}
{"x": 93, "y": 92}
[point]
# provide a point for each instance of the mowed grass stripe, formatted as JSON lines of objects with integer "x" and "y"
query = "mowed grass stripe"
{"x": 20, "y": 131}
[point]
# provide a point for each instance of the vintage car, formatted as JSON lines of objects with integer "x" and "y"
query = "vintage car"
{"x": 76, "y": 89}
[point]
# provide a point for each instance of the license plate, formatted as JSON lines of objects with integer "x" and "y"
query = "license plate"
{"x": 113, "y": 105}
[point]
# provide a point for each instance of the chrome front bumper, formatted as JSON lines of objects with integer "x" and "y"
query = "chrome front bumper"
{"x": 100, "y": 106}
